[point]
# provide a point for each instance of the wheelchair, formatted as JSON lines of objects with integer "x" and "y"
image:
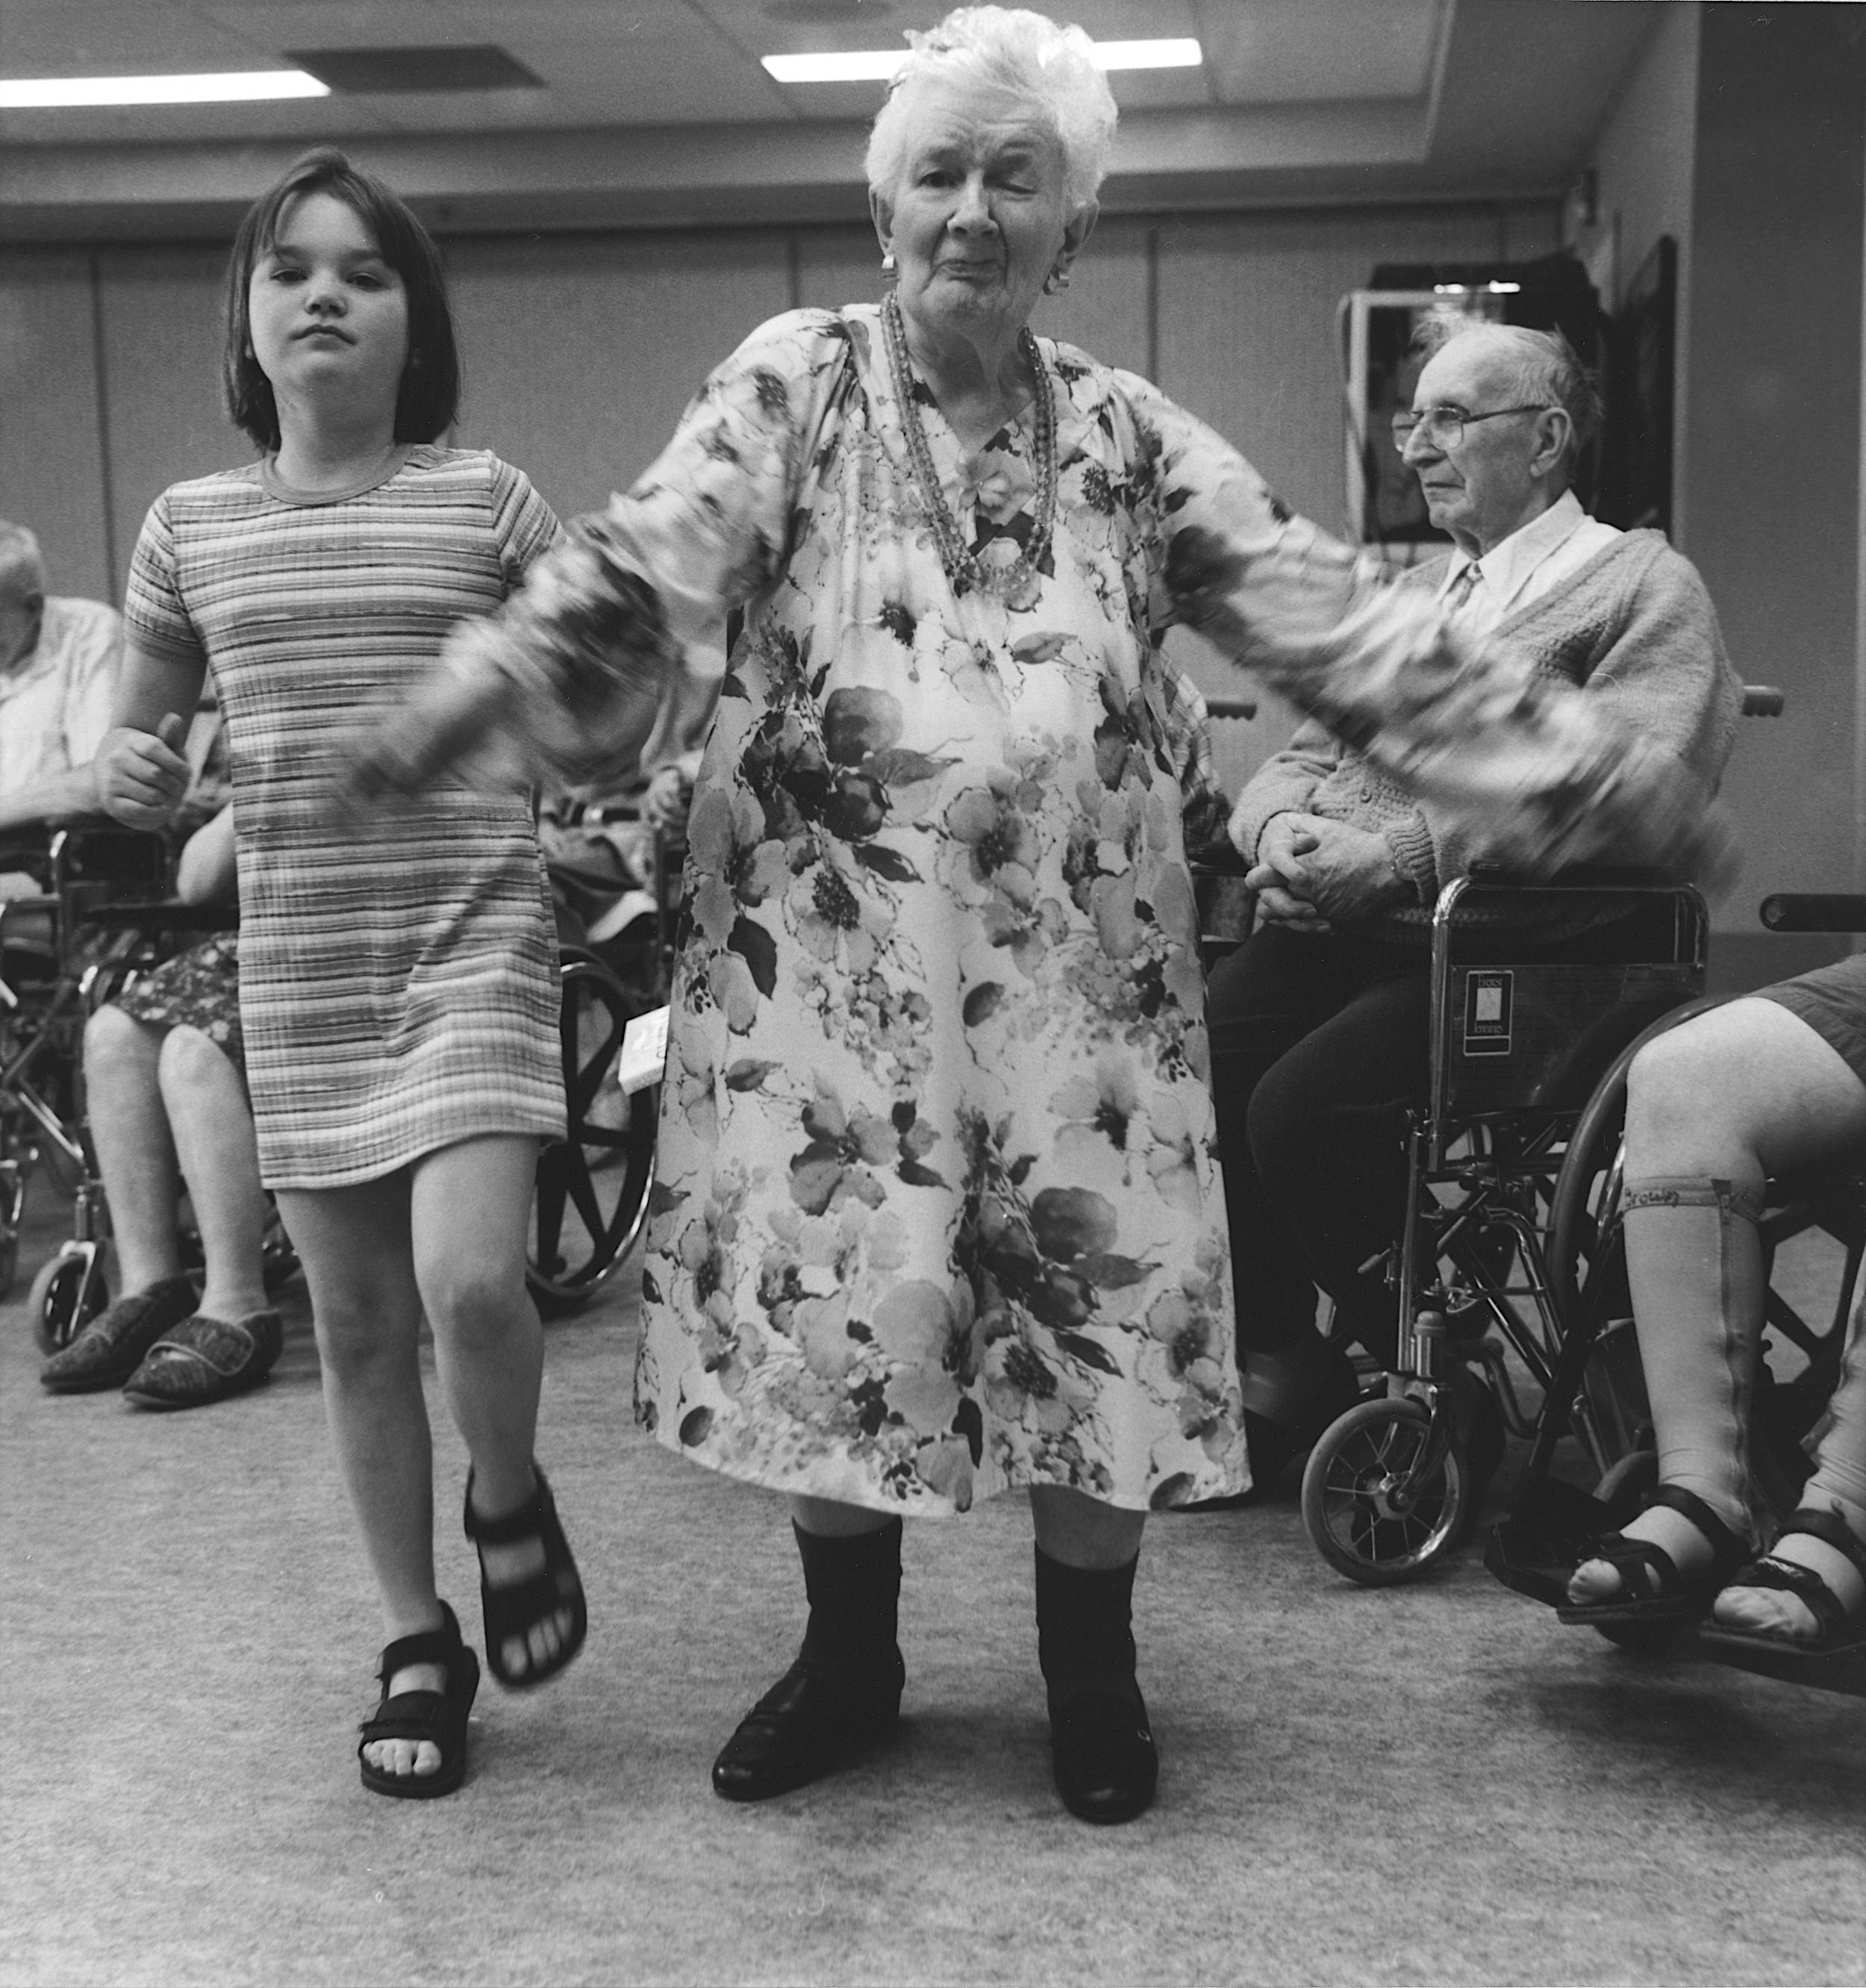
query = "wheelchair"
{"x": 50, "y": 963}
{"x": 1597, "y": 1384}
{"x": 1486, "y": 1261}
{"x": 112, "y": 916}
{"x": 106, "y": 911}
{"x": 591, "y": 1201}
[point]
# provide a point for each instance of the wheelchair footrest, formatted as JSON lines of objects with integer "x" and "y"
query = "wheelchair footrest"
{"x": 1844, "y": 1670}
{"x": 1547, "y": 1532}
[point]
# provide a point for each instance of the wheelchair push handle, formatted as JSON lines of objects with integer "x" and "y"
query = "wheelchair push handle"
{"x": 1814, "y": 911}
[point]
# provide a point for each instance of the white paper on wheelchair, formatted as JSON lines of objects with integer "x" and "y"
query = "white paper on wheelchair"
{"x": 644, "y": 1050}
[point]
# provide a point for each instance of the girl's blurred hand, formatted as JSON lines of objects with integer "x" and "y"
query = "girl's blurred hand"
{"x": 141, "y": 776}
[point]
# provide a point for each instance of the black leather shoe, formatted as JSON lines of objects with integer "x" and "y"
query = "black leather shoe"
{"x": 1102, "y": 1753}
{"x": 805, "y": 1726}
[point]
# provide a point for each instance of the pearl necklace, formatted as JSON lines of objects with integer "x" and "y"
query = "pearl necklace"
{"x": 964, "y": 567}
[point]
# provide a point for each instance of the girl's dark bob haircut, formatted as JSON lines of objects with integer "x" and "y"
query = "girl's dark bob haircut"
{"x": 430, "y": 395}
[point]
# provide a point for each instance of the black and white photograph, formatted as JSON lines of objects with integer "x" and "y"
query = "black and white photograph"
{"x": 933, "y": 994}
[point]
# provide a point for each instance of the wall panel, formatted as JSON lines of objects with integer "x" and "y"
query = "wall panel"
{"x": 160, "y": 311}
{"x": 50, "y": 466}
{"x": 581, "y": 351}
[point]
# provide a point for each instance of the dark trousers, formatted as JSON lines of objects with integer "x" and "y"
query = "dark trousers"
{"x": 1318, "y": 1048}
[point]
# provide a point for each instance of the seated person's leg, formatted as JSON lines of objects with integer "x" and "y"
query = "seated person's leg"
{"x": 1328, "y": 1131}
{"x": 136, "y": 1157}
{"x": 1713, "y": 1108}
{"x": 136, "y": 1152}
{"x": 1279, "y": 1007}
{"x": 234, "y": 1337}
{"x": 1825, "y": 1538}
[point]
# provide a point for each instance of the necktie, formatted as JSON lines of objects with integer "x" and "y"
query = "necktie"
{"x": 1459, "y": 593}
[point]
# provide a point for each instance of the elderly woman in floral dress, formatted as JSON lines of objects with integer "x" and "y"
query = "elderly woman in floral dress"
{"x": 937, "y": 1214}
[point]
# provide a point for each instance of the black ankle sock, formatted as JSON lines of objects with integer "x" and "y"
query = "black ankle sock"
{"x": 1085, "y": 1629}
{"x": 854, "y": 1588}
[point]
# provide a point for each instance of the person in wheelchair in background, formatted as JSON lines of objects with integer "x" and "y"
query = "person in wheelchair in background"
{"x": 164, "y": 1077}
{"x": 613, "y": 845}
{"x": 58, "y": 664}
{"x": 1762, "y": 1087}
{"x": 1320, "y": 1019}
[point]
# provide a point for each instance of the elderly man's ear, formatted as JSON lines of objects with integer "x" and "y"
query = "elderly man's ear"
{"x": 1554, "y": 430}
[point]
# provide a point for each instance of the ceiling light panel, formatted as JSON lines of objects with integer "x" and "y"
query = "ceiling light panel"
{"x": 877, "y": 65}
{"x": 223, "y": 86}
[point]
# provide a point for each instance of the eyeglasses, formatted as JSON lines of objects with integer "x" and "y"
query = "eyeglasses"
{"x": 1448, "y": 424}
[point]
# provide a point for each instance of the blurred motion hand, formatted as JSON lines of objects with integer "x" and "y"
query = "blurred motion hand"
{"x": 668, "y": 796}
{"x": 141, "y": 776}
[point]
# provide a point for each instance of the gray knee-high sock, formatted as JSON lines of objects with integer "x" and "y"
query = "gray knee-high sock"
{"x": 1695, "y": 1262}
{"x": 1840, "y": 1460}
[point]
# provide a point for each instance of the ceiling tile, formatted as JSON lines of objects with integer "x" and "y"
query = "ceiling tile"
{"x": 1296, "y": 51}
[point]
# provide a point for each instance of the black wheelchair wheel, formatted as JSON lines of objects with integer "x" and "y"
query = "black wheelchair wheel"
{"x": 68, "y": 1292}
{"x": 1366, "y": 1522}
{"x": 592, "y": 1191}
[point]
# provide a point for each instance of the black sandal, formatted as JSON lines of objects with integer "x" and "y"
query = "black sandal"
{"x": 513, "y": 1609}
{"x": 1652, "y": 1591}
{"x": 440, "y": 1717}
{"x": 1836, "y": 1628}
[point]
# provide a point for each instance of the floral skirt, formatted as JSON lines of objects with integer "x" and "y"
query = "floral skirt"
{"x": 199, "y": 989}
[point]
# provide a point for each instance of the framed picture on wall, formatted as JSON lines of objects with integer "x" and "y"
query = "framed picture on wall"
{"x": 1639, "y": 399}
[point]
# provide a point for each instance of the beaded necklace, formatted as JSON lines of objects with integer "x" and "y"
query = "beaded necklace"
{"x": 964, "y": 568}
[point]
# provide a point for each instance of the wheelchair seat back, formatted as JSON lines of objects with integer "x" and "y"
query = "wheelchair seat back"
{"x": 1528, "y": 1024}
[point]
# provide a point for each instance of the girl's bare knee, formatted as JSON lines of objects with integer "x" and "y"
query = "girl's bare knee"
{"x": 477, "y": 1305}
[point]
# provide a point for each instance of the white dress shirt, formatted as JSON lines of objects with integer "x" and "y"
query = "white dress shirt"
{"x": 55, "y": 708}
{"x": 1524, "y": 565}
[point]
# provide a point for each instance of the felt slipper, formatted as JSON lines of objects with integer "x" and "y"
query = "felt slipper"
{"x": 111, "y": 1347}
{"x": 206, "y": 1359}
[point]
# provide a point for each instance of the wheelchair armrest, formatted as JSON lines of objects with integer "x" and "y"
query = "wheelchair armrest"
{"x": 1577, "y": 876}
{"x": 1814, "y": 911}
{"x": 169, "y": 916}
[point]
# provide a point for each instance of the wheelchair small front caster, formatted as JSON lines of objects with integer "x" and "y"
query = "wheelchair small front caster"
{"x": 1369, "y": 1516}
{"x": 68, "y": 1292}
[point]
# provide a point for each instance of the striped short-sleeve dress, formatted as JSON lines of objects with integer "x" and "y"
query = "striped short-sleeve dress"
{"x": 398, "y": 986}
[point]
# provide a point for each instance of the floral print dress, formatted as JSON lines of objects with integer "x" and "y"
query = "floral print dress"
{"x": 938, "y": 1212}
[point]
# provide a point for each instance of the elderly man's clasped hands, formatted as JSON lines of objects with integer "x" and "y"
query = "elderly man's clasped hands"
{"x": 1311, "y": 871}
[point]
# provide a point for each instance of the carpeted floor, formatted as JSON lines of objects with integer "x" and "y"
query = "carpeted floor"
{"x": 1434, "y": 1784}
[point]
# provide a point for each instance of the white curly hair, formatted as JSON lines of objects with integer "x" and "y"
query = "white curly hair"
{"x": 1052, "y": 68}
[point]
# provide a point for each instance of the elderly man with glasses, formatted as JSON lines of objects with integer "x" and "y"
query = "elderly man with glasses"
{"x": 1319, "y": 1021}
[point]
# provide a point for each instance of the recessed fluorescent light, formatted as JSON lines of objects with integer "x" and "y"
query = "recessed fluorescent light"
{"x": 227, "y": 86}
{"x": 1175, "y": 52}
{"x": 877, "y": 65}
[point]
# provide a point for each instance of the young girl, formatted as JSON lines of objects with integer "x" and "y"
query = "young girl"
{"x": 398, "y": 976}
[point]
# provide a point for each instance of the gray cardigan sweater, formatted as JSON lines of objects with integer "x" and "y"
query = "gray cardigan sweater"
{"x": 1633, "y": 623}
